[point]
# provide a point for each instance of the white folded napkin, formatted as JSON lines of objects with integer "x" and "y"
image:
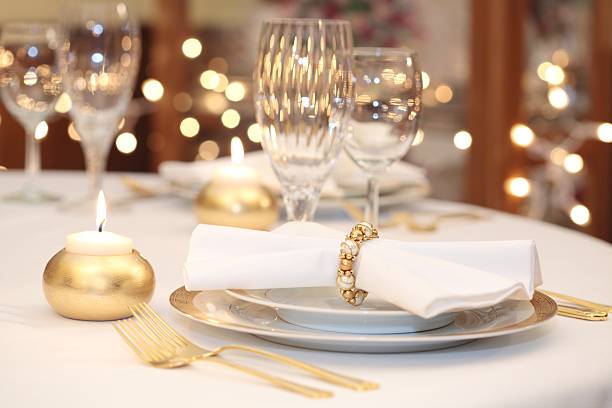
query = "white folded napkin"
{"x": 346, "y": 178}
{"x": 425, "y": 278}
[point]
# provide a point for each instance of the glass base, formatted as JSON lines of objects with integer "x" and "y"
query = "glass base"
{"x": 31, "y": 196}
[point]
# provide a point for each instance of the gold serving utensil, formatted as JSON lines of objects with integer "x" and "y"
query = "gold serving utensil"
{"x": 582, "y": 314}
{"x": 578, "y": 301}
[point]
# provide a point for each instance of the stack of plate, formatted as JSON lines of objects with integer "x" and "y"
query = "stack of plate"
{"x": 317, "y": 318}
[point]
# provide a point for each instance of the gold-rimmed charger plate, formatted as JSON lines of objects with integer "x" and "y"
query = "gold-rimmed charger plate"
{"x": 218, "y": 309}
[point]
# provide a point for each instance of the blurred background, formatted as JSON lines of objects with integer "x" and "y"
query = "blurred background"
{"x": 518, "y": 94}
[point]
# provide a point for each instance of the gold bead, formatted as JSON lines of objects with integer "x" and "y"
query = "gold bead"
{"x": 346, "y": 264}
{"x": 348, "y": 295}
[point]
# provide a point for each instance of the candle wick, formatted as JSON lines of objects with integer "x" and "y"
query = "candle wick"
{"x": 101, "y": 225}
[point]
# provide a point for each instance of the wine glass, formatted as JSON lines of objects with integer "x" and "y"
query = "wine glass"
{"x": 303, "y": 100}
{"x": 30, "y": 83}
{"x": 388, "y": 93}
{"x": 99, "y": 58}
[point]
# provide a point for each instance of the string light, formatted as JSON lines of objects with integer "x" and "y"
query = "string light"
{"x": 152, "y": 89}
{"x": 521, "y": 135}
{"x": 126, "y": 143}
{"x": 235, "y": 91}
{"x": 462, "y": 140}
{"x": 189, "y": 127}
{"x": 63, "y": 104}
{"x": 418, "y": 138}
{"x": 426, "y": 80}
{"x": 580, "y": 215}
{"x": 604, "y": 132}
{"x": 254, "y": 133}
{"x": 209, "y": 79}
{"x": 444, "y": 93}
{"x": 72, "y": 132}
{"x": 517, "y": 186}
{"x": 41, "y": 130}
{"x": 573, "y": 163}
{"x": 230, "y": 118}
{"x": 558, "y": 98}
{"x": 192, "y": 47}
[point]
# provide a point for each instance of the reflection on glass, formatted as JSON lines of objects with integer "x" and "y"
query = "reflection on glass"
{"x": 303, "y": 98}
{"x": 385, "y": 121}
{"x": 99, "y": 57}
{"x": 30, "y": 83}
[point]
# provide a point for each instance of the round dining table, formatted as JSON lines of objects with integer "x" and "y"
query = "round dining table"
{"x": 50, "y": 361}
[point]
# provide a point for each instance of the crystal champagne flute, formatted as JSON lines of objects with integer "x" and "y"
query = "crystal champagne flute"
{"x": 99, "y": 60}
{"x": 30, "y": 83}
{"x": 387, "y": 113}
{"x": 303, "y": 99}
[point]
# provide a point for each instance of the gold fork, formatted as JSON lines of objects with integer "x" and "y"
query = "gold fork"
{"x": 148, "y": 317}
{"x": 161, "y": 352}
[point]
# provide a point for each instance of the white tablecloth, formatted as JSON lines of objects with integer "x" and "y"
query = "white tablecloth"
{"x": 46, "y": 360}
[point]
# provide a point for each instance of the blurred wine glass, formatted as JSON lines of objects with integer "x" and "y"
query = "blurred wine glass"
{"x": 303, "y": 99}
{"x": 387, "y": 113}
{"x": 30, "y": 83}
{"x": 99, "y": 57}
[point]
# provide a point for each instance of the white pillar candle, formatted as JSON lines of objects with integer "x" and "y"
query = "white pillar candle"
{"x": 236, "y": 173}
{"x": 98, "y": 242}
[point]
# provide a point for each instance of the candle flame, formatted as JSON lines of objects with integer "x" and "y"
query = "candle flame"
{"x": 101, "y": 211}
{"x": 237, "y": 150}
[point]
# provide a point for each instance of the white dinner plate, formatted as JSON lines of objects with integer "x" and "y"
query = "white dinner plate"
{"x": 218, "y": 309}
{"x": 323, "y": 309}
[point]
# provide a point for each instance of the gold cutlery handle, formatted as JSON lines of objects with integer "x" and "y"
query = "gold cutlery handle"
{"x": 591, "y": 315}
{"x": 304, "y": 390}
{"x": 323, "y": 374}
{"x": 577, "y": 301}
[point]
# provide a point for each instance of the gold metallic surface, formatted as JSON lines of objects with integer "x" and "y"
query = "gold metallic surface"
{"x": 158, "y": 345}
{"x": 247, "y": 206}
{"x": 578, "y": 301}
{"x": 96, "y": 287}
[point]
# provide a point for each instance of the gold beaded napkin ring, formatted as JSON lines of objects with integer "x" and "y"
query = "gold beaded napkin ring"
{"x": 349, "y": 249}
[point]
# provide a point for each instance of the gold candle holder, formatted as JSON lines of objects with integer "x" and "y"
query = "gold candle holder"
{"x": 237, "y": 205}
{"x": 97, "y": 287}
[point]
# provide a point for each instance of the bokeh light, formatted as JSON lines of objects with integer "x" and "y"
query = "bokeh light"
{"x": 521, "y": 135}
{"x": 218, "y": 64}
{"x": 554, "y": 75}
{"x": 126, "y": 143}
{"x": 189, "y": 127}
{"x": 72, "y": 132}
{"x": 214, "y": 103}
{"x": 558, "y": 155}
{"x": 425, "y": 79}
{"x": 235, "y": 91}
{"x": 209, "y": 79}
{"x": 222, "y": 84}
{"x": 558, "y": 98}
{"x": 462, "y": 140}
{"x": 444, "y": 93}
{"x": 230, "y": 118}
{"x": 254, "y": 133}
{"x": 542, "y": 70}
{"x": 580, "y": 215}
{"x": 561, "y": 58}
{"x": 573, "y": 163}
{"x": 517, "y": 186}
{"x": 182, "y": 102}
{"x": 152, "y": 89}
{"x": 604, "y": 132}
{"x": 418, "y": 138}
{"x": 208, "y": 150}
{"x": 192, "y": 47}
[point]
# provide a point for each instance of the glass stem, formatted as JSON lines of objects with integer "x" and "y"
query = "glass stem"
{"x": 32, "y": 160}
{"x": 95, "y": 161}
{"x": 300, "y": 202}
{"x": 372, "y": 206}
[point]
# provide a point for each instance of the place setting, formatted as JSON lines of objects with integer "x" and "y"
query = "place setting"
{"x": 326, "y": 253}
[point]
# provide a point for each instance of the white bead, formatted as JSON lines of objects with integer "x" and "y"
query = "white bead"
{"x": 359, "y": 297}
{"x": 349, "y": 247}
{"x": 345, "y": 282}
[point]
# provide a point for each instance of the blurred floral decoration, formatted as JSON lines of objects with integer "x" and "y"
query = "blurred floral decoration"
{"x": 555, "y": 99}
